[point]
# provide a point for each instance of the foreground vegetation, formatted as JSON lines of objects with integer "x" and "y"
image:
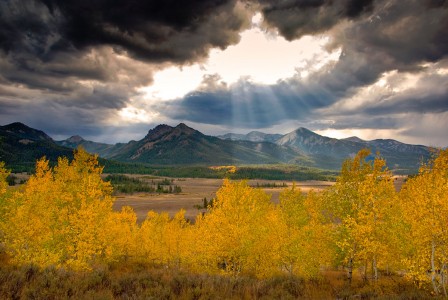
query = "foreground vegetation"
{"x": 61, "y": 221}
{"x": 139, "y": 281}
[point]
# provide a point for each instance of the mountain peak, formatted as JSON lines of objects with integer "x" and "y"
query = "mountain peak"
{"x": 166, "y": 131}
{"x": 354, "y": 139}
{"x": 16, "y": 126}
{"x": 75, "y": 139}
{"x": 303, "y": 130}
{"x": 158, "y": 131}
{"x": 26, "y": 132}
{"x": 185, "y": 129}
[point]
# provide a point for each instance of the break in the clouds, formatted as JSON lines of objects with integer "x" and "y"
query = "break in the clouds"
{"x": 111, "y": 70}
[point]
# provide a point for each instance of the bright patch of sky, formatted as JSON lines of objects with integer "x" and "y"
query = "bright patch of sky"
{"x": 132, "y": 114}
{"x": 366, "y": 134}
{"x": 262, "y": 57}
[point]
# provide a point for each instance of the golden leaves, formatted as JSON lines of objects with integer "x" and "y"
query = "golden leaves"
{"x": 63, "y": 216}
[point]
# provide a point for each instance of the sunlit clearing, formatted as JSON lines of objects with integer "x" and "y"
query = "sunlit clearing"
{"x": 135, "y": 115}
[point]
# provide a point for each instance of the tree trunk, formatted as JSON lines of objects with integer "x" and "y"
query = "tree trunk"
{"x": 375, "y": 269}
{"x": 350, "y": 270}
{"x": 442, "y": 274}
{"x": 433, "y": 268}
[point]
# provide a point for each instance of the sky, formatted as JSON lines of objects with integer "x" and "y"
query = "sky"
{"x": 111, "y": 70}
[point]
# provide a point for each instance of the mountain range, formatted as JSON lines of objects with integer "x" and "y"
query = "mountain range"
{"x": 329, "y": 153}
{"x": 166, "y": 145}
{"x": 182, "y": 145}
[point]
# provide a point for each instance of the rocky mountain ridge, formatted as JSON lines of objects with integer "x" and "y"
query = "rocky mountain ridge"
{"x": 182, "y": 145}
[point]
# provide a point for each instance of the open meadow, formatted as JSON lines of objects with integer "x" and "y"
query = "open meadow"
{"x": 194, "y": 190}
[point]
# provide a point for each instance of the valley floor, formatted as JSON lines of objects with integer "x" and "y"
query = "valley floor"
{"x": 193, "y": 192}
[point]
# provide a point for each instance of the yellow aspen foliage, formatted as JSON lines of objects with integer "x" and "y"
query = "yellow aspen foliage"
{"x": 293, "y": 237}
{"x": 3, "y": 188}
{"x": 161, "y": 239}
{"x": 61, "y": 216}
{"x": 424, "y": 202}
{"x": 3, "y": 174}
{"x": 236, "y": 231}
{"x": 175, "y": 239}
{"x": 122, "y": 235}
{"x": 86, "y": 202}
{"x": 151, "y": 238}
{"x": 321, "y": 231}
{"x": 303, "y": 237}
{"x": 361, "y": 204}
{"x": 27, "y": 233}
{"x": 264, "y": 258}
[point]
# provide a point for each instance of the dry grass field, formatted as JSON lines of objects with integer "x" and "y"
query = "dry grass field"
{"x": 193, "y": 191}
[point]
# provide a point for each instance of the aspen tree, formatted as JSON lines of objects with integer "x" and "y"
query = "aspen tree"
{"x": 360, "y": 204}
{"x": 122, "y": 235}
{"x": 424, "y": 201}
{"x": 294, "y": 236}
{"x": 60, "y": 217}
{"x": 236, "y": 231}
{"x": 3, "y": 188}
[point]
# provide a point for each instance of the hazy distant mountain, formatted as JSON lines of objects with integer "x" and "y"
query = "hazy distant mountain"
{"x": 23, "y": 145}
{"x": 102, "y": 149}
{"x": 313, "y": 143}
{"x": 233, "y": 137}
{"x": 253, "y": 136}
{"x": 330, "y": 153}
{"x": 354, "y": 139}
{"x": 395, "y": 146}
{"x": 325, "y": 152}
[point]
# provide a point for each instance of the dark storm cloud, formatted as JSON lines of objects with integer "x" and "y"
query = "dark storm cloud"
{"x": 384, "y": 36}
{"x": 295, "y": 18}
{"x": 153, "y": 30}
{"x": 175, "y": 31}
{"x": 84, "y": 56}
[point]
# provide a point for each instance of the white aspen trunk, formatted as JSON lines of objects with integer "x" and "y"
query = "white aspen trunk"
{"x": 375, "y": 269}
{"x": 433, "y": 268}
{"x": 442, "y": 274}
{"x": 350, "y": 270}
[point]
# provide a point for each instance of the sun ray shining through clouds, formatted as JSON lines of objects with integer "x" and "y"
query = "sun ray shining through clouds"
{"x": 261, "y": 56}
{"x": 367, "y": 67}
